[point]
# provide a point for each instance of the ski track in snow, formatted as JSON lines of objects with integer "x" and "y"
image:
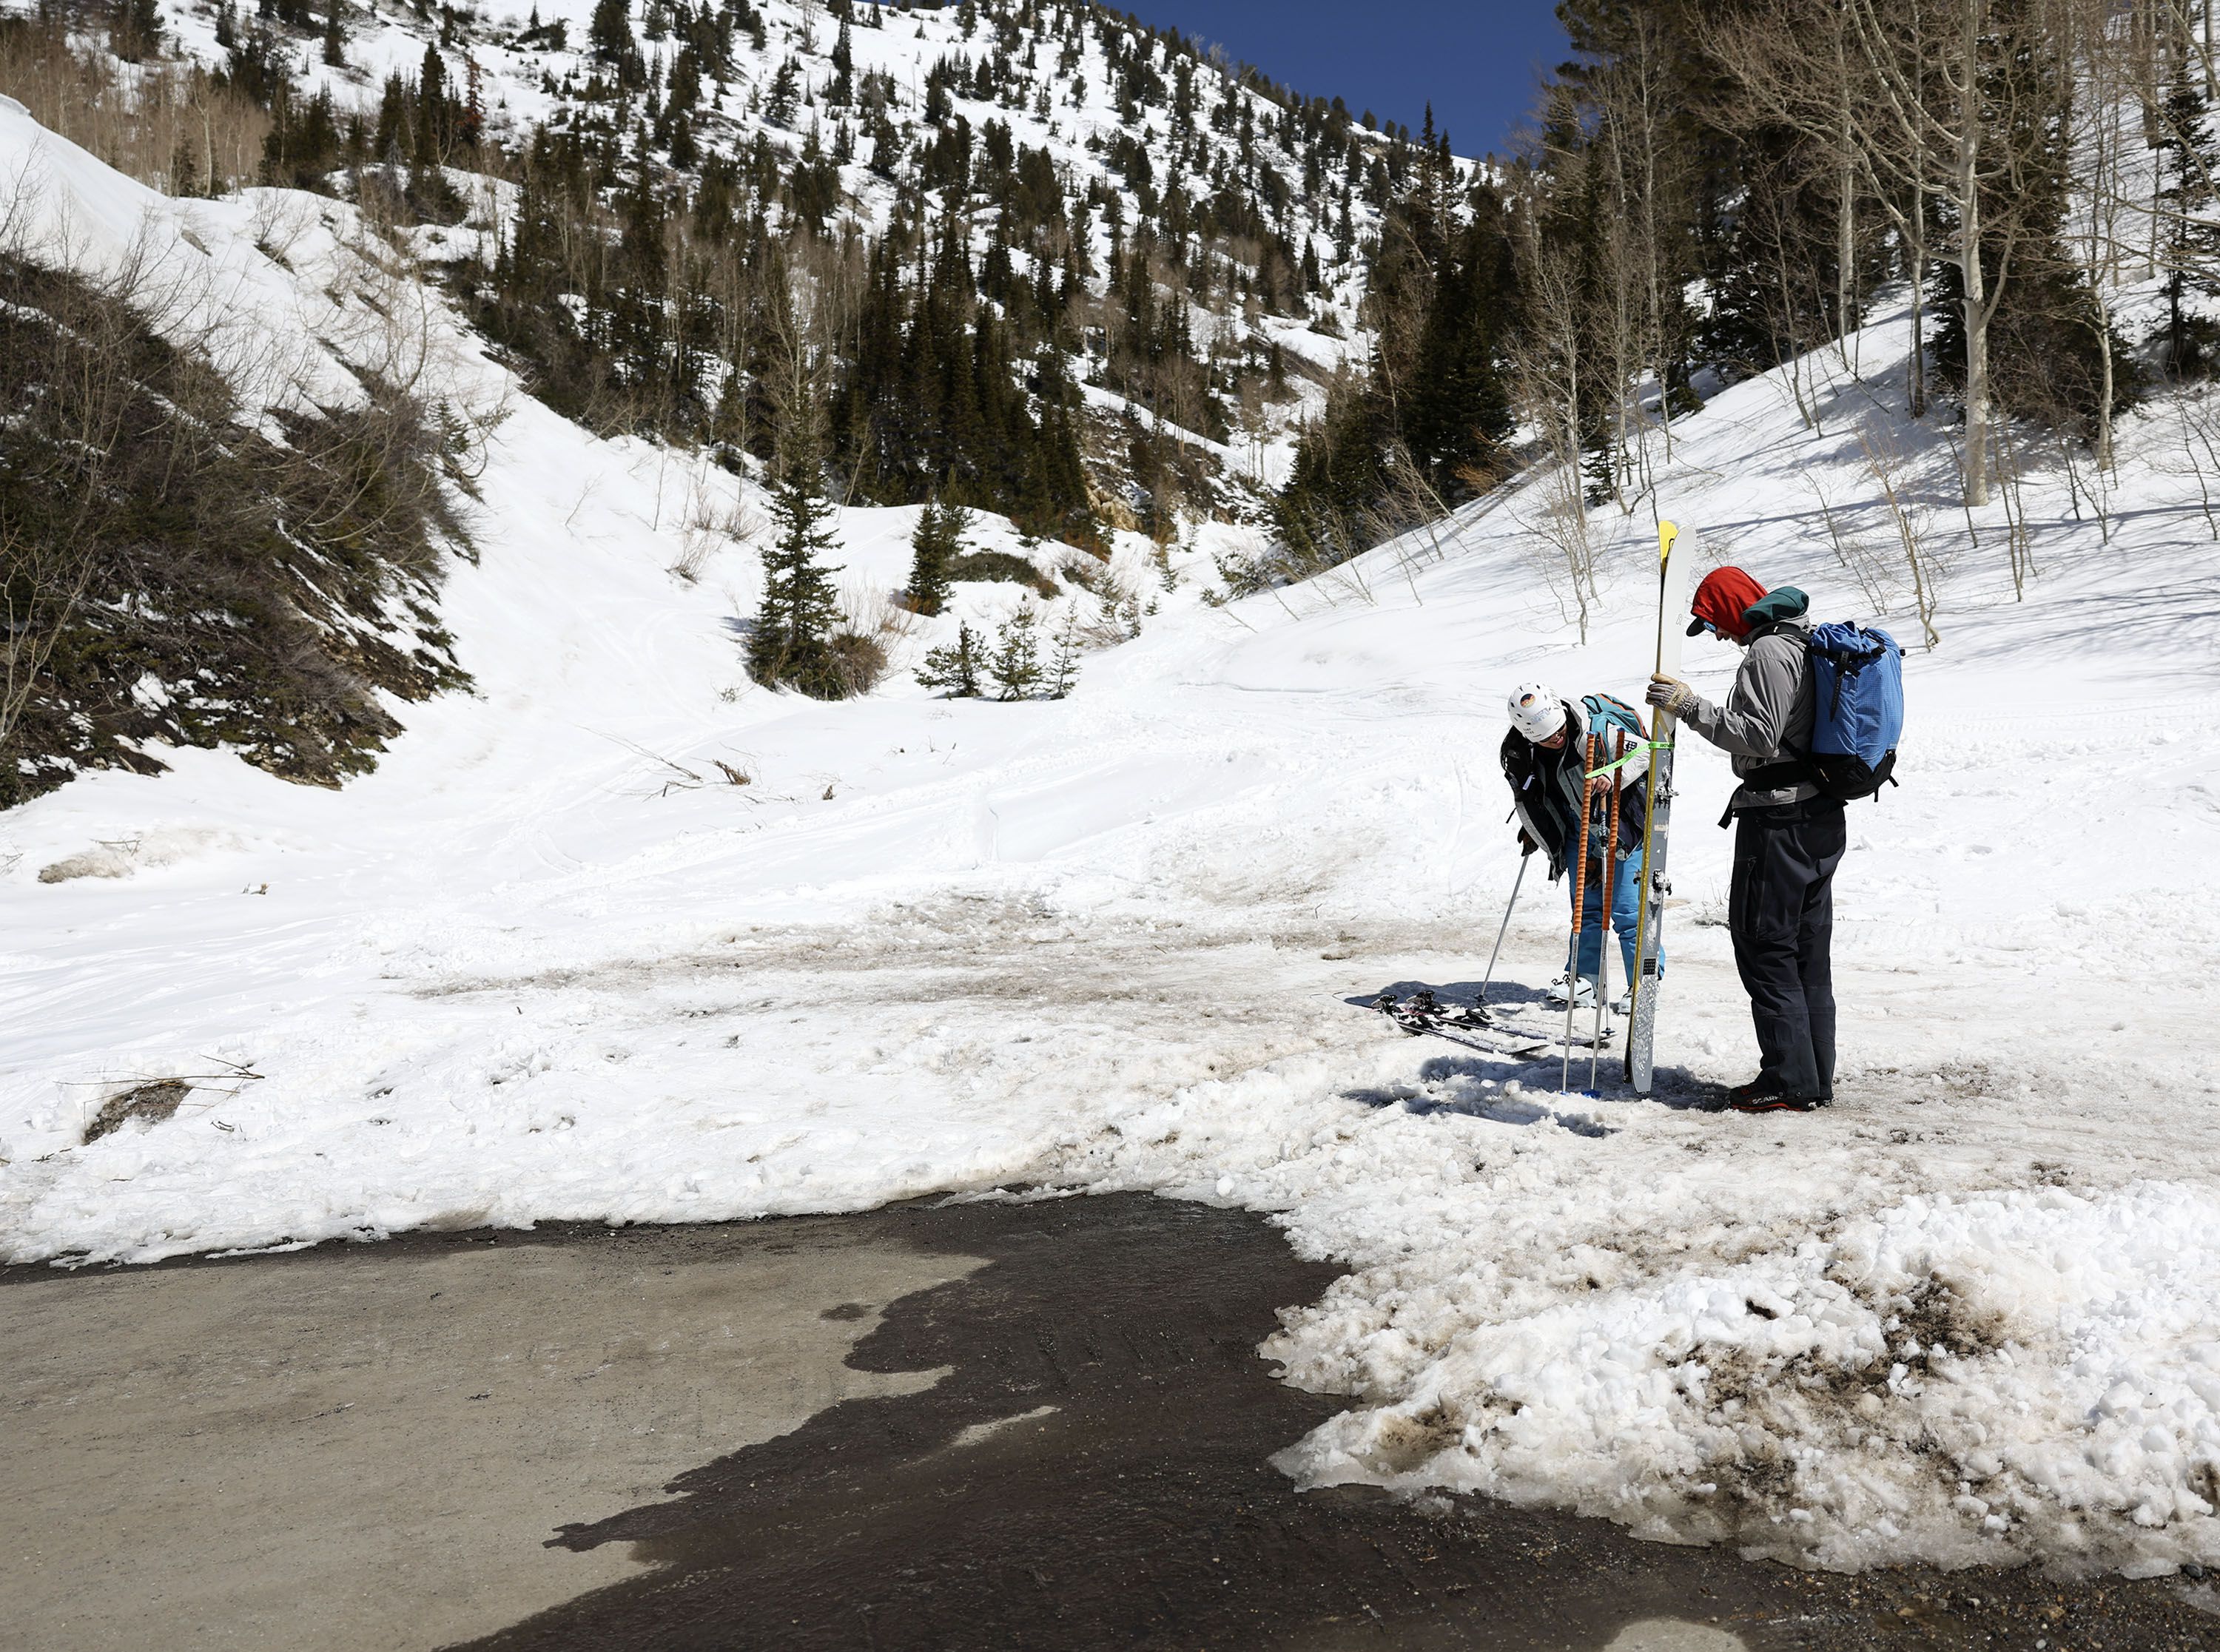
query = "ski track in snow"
{"x": 1970, "y": 1314}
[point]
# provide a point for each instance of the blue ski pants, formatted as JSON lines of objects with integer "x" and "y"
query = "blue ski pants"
{"x": 1625, "y": 915}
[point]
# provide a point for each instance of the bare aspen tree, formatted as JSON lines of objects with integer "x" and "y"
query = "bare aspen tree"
{"x": 1619, "y": 343}
{"x": 1648, "y": 168}
{"x": 1846, "y": 193}
{"x": 2097, "y": 52}
{"x": 2143, "y": 20}
{"x": 171, "y": 125}
{"x": 1882, "y": 463}
{"x": 795, "y": 369}
{"x": 1547, "y": 365}
{"x": 1956, "y": 144}
{"x": 1623, "y": 159}
{"x": 1816, "y": 83}
{"x": 1803, "y": 78}
{"x": 1928, "y": 118}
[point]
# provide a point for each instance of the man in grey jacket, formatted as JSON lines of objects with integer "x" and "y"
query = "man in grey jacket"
{"x": 1789, "y": 838}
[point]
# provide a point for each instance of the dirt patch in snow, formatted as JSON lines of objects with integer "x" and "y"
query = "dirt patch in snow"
{"x": 147, "y": 1105}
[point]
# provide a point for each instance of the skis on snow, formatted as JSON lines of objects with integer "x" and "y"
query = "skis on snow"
{"x": 1478, "y": 1027}
{"x": 1649, "y": 925}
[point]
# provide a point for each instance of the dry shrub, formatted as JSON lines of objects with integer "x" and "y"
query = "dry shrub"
{"x": 1001, "y": 567}
{"x": 182, "y": 576}
{"x": 712, "y": 520}
{"x": 858, "y": 662}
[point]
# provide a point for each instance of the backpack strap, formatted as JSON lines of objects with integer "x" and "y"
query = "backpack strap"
{"x": 1772, "y": 776}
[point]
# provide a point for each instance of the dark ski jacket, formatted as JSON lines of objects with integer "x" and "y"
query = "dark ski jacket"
{"x": 1547, "y": 787}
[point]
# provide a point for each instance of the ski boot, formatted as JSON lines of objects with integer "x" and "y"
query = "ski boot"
{"x": 1583, "y": 994}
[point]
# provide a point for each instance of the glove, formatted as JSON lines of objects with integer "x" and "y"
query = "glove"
{"x": 1526, "y": 845}
{"x": 1670, "y": 695}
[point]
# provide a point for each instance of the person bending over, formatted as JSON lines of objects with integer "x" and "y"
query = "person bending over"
{"x": 1545, "y": 760}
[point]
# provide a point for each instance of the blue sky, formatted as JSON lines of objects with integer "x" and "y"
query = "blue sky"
{"x": 1477, "y": 60}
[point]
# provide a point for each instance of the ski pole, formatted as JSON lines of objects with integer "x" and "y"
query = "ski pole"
{"x": 1603, "y": 934}
{"x": 1480, "y": 1004}
{"x": 1579, "y": 896}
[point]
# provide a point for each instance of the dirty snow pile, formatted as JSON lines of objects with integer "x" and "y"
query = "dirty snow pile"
{"x": 552, "y": 961}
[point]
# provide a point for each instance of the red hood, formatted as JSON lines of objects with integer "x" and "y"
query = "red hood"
{"x": 1722, "y": 599}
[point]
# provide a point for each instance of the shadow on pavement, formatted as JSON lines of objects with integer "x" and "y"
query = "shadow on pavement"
{"x": 1092, "y": 1471}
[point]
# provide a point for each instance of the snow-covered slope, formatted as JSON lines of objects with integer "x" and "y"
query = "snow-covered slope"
{"x": 546, "y": 963}
{"x": 1090, "y": 88}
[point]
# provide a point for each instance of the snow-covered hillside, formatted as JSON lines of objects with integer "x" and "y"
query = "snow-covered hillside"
{"x": 549, "y": 961}
{"x": 1127, "y": 119}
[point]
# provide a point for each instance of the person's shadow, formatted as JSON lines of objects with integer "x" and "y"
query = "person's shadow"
{"x": 1093, "y": 1470}
{"x": 1671, "y": 1086}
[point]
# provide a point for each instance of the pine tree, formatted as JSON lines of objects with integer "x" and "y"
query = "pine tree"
{"x": 432, "y": 117}
{"x": 2191, "y": 238}
{"x": 1064, "y": 665}
{"x": 934, "y": 547}
{"x": 1457, "y": 409}
{"x": 955, "y": 667}
{"x": 778, "y": 108}
{"x": 137, "y": 32}
{"x": 610, "y": 32}
{"x": 334, "y": 36}
{"x": 792, "y": 642}
{"x": 1016, "y": 665}
{"x": 844, "y": 69}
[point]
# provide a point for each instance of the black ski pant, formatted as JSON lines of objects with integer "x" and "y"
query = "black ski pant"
{"x": 1781, "y": 913}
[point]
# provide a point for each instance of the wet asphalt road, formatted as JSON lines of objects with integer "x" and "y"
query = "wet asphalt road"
{"x": 1038, "y": 1425}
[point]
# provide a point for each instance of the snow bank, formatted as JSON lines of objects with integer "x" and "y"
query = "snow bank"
{"x": 1546, "y": 1308}
{"x": 2012, "y": 1377}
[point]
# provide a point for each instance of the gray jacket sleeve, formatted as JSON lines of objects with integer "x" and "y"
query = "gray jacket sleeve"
{"x": 1767, "y": 715}
{"x": 1758, "y": 720}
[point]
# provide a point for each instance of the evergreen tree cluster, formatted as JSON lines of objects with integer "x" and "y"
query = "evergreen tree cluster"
{"x": 706, "y": 177}
{"x": 660, "y": 244}
{"x": 434, "y": 119}
{"x": 1422, "y": 428}
{"x": 1011, "y": 662}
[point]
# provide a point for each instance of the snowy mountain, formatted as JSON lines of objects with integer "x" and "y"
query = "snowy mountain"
{"x": 1186, "y": 244}
{"x": 618, "y": 935}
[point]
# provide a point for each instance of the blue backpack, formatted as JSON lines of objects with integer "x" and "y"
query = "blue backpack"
{"x": 1857, "y": 681}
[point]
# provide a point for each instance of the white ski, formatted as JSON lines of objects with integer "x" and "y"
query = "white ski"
{"x": 1641, "y": 1027}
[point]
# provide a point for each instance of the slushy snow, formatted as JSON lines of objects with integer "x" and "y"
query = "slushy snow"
{"x": 546, "y": 963}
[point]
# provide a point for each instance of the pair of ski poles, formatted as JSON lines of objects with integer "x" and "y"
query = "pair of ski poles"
{"x": 1580, "y": 891}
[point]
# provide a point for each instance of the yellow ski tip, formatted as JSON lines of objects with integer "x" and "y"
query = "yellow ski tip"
{"x": 1666, "y": 533}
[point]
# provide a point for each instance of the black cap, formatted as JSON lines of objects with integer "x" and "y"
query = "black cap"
{"x": 1697, "y": 627}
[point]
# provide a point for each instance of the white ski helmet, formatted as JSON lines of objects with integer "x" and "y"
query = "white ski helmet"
{"x": 1536, "y": 710}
